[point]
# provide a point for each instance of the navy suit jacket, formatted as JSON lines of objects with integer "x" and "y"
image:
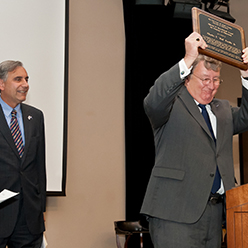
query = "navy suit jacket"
{"x": 26, "y": 175}
{"x": 186, "y": 154}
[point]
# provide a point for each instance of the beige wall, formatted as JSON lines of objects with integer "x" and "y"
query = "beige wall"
{"x": 95, "y": 169}
{"x": 95, "y": 186}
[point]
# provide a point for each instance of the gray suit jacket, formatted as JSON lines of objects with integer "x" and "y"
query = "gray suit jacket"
{"x": 186, "y": 155}
{"x": 26, "y": 175}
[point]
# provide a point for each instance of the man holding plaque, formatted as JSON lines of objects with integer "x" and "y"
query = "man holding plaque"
{"x": 193, "y": 135}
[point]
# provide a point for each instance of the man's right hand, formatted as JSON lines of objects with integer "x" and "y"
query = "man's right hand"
{"x": 192, "y": 43}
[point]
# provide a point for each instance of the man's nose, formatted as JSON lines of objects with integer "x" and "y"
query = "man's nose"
{"x": 25, "y": 83}
{"x": 211, "y": 84}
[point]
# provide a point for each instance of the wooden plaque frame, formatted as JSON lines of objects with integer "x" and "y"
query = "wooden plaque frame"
{"x": 225, "y": 40}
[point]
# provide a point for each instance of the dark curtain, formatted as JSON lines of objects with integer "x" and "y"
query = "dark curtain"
{"x": 154, "y": 43}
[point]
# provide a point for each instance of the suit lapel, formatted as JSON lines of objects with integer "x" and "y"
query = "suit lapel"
{"x": 27, "y": 129}
{"x": 193, "y": 109}
{"x": 6, "y": 132}
{"x": 216, "y": 109}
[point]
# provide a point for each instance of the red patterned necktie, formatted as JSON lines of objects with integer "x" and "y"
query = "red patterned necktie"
{"x": 16, "y": 133}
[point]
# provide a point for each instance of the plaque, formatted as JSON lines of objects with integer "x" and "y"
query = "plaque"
{"x": 225, "y": 40}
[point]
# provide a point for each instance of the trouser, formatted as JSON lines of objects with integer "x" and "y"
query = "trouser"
{"x": 205, "y": 233}
{"x": 21, "y": 236}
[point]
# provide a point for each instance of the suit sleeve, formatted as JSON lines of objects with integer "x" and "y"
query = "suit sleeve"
{"x": 159, "y": 101}
{"x": 240, "y": 115}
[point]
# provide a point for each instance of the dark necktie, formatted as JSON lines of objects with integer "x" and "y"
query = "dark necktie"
{"x": 216, "y": 184}
{"x": 16, "y": 133}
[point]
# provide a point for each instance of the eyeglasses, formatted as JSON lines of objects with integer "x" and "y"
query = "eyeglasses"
{"x": 216, "y": 81}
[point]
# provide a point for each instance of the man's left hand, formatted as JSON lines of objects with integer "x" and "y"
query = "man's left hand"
{"x": 245, "y": 60}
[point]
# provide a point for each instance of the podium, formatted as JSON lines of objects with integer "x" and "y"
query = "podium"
{"x": 237, "y": 217}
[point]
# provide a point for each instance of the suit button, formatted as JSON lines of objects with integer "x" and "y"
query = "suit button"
{"x": 212, "y": 175}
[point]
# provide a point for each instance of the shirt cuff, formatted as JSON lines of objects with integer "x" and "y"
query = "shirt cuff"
{"x": 245, "y": 83}
{"x": 184, "y": 71}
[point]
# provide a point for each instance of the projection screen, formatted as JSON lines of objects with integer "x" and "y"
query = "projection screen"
{"x": 36, "y": 33}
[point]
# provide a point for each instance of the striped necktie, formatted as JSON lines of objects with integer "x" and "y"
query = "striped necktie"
{"x": 216, "y": 184}
{"x": 16, "y": 133}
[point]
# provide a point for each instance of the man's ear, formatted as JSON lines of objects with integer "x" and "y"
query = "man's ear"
{"x": 186, "y": 81}
{"x": 1, "y": 84}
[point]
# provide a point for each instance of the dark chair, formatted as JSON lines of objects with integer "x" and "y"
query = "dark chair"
{"x": 128, "y": 228}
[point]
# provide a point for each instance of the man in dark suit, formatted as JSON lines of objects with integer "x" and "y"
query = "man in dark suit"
{"x": 183, "y": 208}
{"x": 22, "y": 161}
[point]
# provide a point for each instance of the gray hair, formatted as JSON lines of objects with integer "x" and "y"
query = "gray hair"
{"x": 8, "y": 66}
{"x": 209, "y": 63}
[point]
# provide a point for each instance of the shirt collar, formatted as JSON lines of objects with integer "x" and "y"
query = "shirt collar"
{"x": 207, "y": 105}
{"x": 7, "y": 109}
